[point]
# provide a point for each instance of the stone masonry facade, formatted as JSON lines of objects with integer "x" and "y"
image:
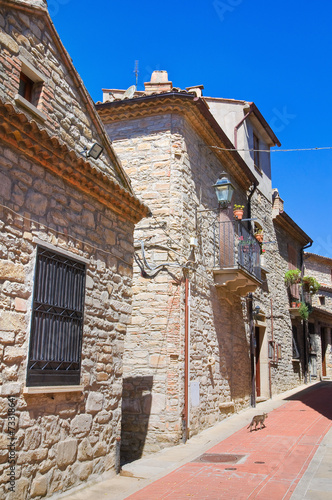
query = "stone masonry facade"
{"x": 52, "y": 197}
{"x": 61, "y": 438}
{"x": 173, "y": 172}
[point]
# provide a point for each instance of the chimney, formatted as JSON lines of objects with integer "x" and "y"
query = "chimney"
{"x": 159, "y": 83}
{"x": 277, "y": 203}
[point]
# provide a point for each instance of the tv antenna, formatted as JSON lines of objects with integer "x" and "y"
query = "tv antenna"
{"x": 136, "y": 72}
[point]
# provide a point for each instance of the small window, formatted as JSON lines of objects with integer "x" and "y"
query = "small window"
{"x": 256, "y": 152}
{"x": 30, "y": 88}
{"x": 322, "y": 300}
{"x": 57, "y": 320}
{"x": 26, "y": 87}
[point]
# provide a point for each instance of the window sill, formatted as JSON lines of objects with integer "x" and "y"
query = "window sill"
{"x": 30, "y": 107}
{"x": 258, "y": 169}
{"x": 51, "y": 389}
{"x": 296, "y": 360}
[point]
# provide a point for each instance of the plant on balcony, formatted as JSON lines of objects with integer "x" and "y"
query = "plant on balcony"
{"x": 304, "y": 311}
{"x": 259, "y": 235}
{"x": 292, "y": 277}
{"x": 310, "y": 285}
{"x": 238, "y": 211}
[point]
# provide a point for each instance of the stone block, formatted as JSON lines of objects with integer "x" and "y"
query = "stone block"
{"x": 81, "y": 425}
{"x": 94, "y": 402}
{"x": 39, "y": 486}
{"x": 5, "y": 186}
{"x": 37, "y": 203}
{"x": 20, "y": 305}
{"x": 66, "y": 453}
{"x": 11, "y": 271}
{"x": 13, "y": 389}
{"x": 85, "y": 451}
{"x": 7, "y": 337}
{"x": 21, "y": 490}
{"x": 13, "y": 354}
{"x": 32, "y": 438}
{"x": 99, "y": 450}
{"x": 83, "y": 471}
{"x": 157, "y": 361}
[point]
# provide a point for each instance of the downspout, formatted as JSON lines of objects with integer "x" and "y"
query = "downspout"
{"x": 305, "y": 323}
{"x": 252, "y": 352}
{"x": 239, "y": 124}
{"x": 185, "y": 412}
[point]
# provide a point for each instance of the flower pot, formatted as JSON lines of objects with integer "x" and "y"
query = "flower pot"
{"x": 238, "y": 214}
{"x": 293, "y": 305}
{"x": 259, "y": 237}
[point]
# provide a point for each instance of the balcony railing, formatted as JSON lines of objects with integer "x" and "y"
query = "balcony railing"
{"x": 236, "y": 248}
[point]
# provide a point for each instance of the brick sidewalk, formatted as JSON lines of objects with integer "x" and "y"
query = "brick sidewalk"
{"x": 275, "y": 458}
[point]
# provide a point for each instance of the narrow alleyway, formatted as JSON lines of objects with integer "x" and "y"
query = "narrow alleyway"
{"x": 273, "y": 459}
{"x": 288, "y": 459}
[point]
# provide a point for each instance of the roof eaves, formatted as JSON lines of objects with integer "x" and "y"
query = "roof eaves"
{"x": 290, "y": 225}
{"x": 203, "y": 107}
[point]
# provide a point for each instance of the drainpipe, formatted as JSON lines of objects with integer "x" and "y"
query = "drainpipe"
{"x": 305, "y": 323}
{"x": 252, "y": 352}
{"x": 185, "y": 413}
{"x": 239, "y": 124}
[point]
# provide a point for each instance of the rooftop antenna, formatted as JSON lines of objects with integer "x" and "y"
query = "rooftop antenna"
{"x": 136, "y": 72}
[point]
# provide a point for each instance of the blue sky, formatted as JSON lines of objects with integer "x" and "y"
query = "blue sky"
{"x": 277, "y": 54}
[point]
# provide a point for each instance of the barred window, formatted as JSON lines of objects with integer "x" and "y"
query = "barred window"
{"x": 57, "y": 320}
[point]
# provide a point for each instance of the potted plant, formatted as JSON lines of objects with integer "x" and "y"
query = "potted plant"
{"x": 259, "y": 235}
{"x": 238, "y": 211}
{"x": 310, "y": 285}
{"x": 292, "y": 277}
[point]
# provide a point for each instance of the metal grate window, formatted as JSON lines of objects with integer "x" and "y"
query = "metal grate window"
{"x": 57, "y": 320}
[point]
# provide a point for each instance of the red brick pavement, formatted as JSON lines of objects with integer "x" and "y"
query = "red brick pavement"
{"x": 276, "y": 457}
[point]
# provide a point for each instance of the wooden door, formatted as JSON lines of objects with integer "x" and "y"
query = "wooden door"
{"x": 257, "y": 356}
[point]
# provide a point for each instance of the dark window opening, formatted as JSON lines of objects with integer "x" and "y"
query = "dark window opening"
{"x": 296, "y": 352}
{"x": 256, "y": 152}
{"x": 26, "y": 87}
{"x": 322, "y": 300}
{"x": 57, "y": 320}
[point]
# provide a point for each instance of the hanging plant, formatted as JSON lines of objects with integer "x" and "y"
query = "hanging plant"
{"x": 304, "y": 311}
{"x": 292, "y": 277}
{"x": 310, "y": 285}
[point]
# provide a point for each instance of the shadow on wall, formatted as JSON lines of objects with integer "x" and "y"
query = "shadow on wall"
{"x": 136, "y": 409}
{"x": 234, "y": 347}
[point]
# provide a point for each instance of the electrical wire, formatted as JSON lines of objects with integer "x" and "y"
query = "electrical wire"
{"x": 269, "y": 150}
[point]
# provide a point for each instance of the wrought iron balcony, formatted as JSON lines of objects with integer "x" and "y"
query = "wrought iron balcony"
{"x": 236, "y": 258}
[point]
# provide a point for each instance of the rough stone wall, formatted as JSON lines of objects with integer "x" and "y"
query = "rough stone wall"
{"x": 60, "y": 100}
{"x": 174, "y": 175}
{"x": 273, "y": 299}
{"x": 61, "y": 438}
{"x": 321, "y": 270}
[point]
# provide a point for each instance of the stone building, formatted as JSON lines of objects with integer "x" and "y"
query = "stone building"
{"x": 190, "y": 356}
{"x": 66, "y": 254}
{"x": 320, "y": 319}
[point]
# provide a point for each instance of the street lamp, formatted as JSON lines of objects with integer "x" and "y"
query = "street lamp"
{"x": 224, "y": 190}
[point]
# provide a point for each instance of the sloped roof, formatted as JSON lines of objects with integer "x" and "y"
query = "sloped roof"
{"x": 195, "y": 109}
{"x": 39, "y": 8}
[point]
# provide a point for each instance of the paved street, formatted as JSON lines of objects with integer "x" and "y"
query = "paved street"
{"x": 289, "y": 458}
